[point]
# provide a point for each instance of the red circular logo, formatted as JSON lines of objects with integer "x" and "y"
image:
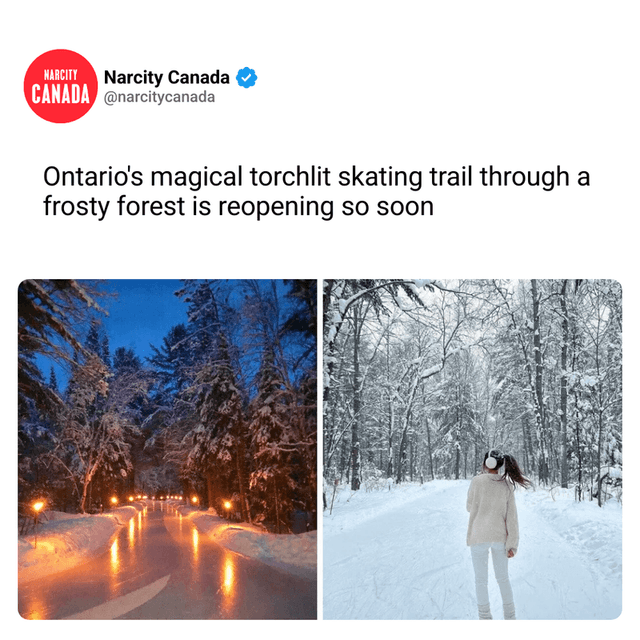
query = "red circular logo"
{"x": 60, "y": 86}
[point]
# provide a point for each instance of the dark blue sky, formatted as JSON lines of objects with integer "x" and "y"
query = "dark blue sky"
{"x": 142, "y": 313}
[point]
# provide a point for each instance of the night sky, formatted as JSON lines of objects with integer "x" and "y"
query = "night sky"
{"x": 141, "y": 313}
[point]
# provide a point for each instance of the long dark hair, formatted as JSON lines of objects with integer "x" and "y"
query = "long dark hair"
{"x": 513, "y": 472}
{"x": 511, "y": 468}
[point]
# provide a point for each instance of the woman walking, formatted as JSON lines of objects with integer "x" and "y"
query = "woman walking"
{"x": 493, "y": 526}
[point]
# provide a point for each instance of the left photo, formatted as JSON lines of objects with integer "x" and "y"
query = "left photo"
{"x": 167, "y": 449}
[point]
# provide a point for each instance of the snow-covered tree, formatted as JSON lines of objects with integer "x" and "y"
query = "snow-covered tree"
{"x": 51, "y": 317}
{"x": 424, "y": 389}
{"x": 273, "y": 446}
{"x": 218, "y": 442}
{"x": 95, "y": 427}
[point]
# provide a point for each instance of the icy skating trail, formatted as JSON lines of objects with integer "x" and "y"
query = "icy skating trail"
{"x": 66, "y": 540}
{"x": 402, "y": 554}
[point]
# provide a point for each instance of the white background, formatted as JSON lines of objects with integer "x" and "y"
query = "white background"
{"x": 412, "y": 85}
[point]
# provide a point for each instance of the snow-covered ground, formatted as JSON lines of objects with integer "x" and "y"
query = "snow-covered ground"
{"x": 402, "y": 554}
{"x": 65, "y": 540}
{"x": 295, "y": 553}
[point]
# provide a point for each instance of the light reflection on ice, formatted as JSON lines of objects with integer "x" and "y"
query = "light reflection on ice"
{"x": 196, "y": 539}
{"x": 228, "y": 588}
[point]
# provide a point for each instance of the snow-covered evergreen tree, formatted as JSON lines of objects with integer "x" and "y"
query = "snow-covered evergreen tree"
{"x": 273, "y": 444}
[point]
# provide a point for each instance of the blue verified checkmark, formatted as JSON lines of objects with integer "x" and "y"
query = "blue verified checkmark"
{"x": 246, "y": 77}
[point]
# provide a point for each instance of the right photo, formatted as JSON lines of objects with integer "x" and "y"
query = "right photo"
{"x": 472, "y": 449}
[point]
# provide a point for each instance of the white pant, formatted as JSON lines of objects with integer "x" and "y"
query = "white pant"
{"x": 480, "y": 557}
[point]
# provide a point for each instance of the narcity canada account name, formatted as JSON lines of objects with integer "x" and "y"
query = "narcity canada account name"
{"x": 174, "y": 77}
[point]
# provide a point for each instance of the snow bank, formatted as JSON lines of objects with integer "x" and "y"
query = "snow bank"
{"x": 65, "y": 540}
{"x": 293, "y": 553}
{"x": 593, "y": 533}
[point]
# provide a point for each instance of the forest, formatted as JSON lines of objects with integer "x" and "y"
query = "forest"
{"x": 223, "y": 410}
{"x": 422, "y": 377}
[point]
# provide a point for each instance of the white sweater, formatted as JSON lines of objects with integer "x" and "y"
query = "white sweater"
{"x": 492, "y": 511}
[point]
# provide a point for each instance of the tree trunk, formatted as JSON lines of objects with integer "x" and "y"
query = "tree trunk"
{"x": 83, "y": 500}
{"x": 211, "y": 501}
{"x": 277, "y": 505}
{"x": 600, "y": 426}
{"x": 564, "y": 464}
{"x": 390, "y": 439}
{"x": 578, "y": 446}
{"x": 242, "y": 480}
{"x": 402, "y": 450}
{"x": 539, "y": 396}
{"x": 355, "y": 427}
{"x": 391, "y": 413}
{"x": 429, "y": 452}
{"x": 401, "y": 457}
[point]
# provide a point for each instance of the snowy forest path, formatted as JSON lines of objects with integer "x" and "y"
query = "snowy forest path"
{"x": 408, "y": 563}
{"x": 412, "y": 562}
{"x": 160, "y": 567}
